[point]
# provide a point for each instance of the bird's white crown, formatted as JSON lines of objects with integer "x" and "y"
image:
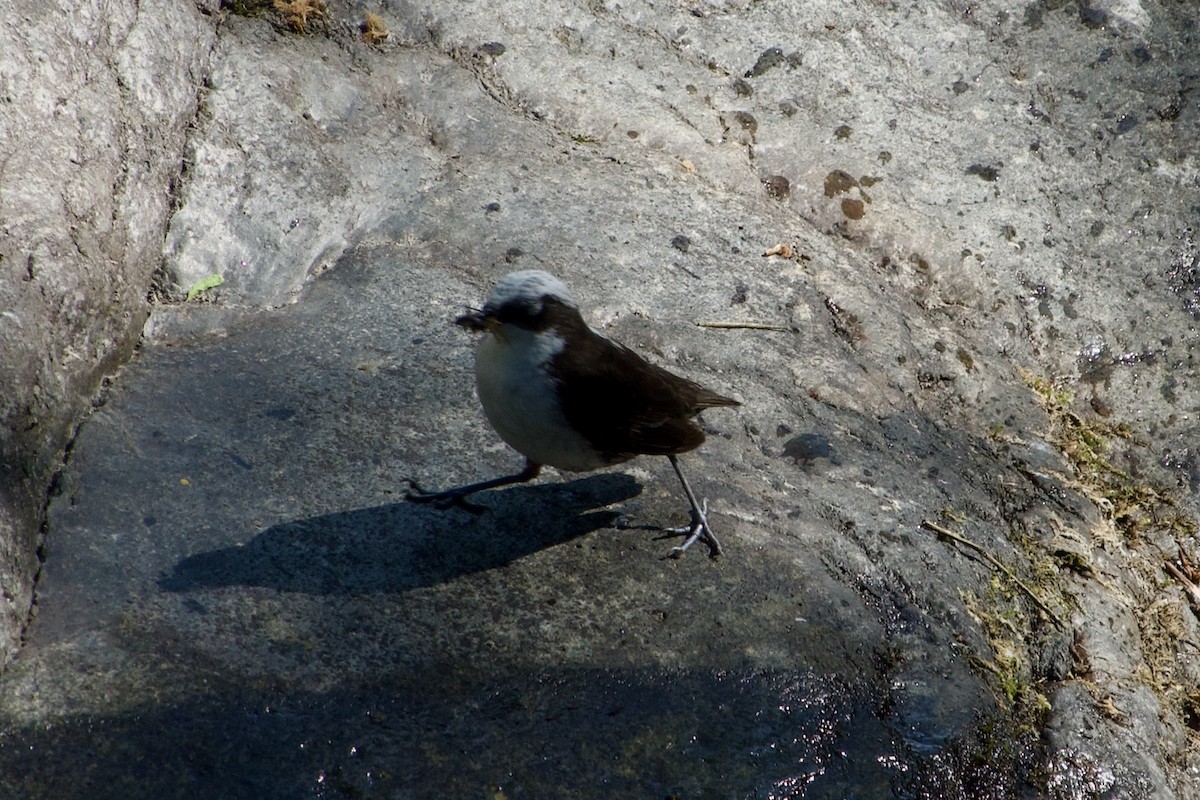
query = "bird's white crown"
{"x": 530, "y": 286}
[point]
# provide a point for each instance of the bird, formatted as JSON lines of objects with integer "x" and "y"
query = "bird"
{"x": 565, "y": 395}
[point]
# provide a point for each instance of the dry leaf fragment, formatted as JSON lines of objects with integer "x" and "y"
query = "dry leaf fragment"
{"x": 1110, "y": 709}
{"x": 374, "y": 29}
{"x": 298, "y": 11}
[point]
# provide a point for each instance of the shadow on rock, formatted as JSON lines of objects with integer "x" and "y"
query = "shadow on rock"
{"x": 447, "y": 731}
{"x": 403, "y": 546}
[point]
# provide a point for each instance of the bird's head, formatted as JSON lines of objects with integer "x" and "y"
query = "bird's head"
{"x": 522, "y": 299}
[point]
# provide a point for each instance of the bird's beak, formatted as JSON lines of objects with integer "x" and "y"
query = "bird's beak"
{"x": 476, "y": 320}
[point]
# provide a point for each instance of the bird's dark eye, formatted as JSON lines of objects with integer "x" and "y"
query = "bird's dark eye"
{"x": 523, "y": 313}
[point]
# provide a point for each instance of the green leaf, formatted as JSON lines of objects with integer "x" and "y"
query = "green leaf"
{"x": 204, "y": 284}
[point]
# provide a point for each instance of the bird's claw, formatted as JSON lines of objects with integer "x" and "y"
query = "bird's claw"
{"x": 698, "y": 529}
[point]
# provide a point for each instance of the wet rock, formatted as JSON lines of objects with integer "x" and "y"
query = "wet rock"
{"x": 229, "y": 559}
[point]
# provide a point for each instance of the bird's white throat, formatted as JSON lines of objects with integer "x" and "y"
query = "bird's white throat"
{"x": 520, "y": 398}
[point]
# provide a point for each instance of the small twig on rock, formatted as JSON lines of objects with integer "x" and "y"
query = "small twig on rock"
{"x": 996, "y": 563}
{"x": 755, "y": 326}
{"x": 1189, "y": 588}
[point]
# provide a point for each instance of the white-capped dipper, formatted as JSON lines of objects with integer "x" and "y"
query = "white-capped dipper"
{"x": 565, "y": 395}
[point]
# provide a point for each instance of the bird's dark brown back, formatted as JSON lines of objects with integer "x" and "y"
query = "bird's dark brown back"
{"x": 621, "y": 403}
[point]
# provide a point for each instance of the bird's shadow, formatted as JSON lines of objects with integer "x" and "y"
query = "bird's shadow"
{"x": 402, "y": 546}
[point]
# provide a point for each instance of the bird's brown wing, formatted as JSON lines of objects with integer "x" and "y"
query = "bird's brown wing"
{"x": 624, "y": 405}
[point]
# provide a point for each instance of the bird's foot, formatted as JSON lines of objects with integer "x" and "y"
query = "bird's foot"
{"x": 456, "y": 498}
{"x": 694, "y": 532}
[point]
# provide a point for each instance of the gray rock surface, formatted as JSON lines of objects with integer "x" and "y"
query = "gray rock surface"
{"x": 991, "y": 260}
{"x": 94, "y": 106}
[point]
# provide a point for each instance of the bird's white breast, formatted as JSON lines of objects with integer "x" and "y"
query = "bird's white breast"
{"x": 520, "y": 401}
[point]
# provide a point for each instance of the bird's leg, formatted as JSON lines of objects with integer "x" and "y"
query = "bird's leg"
{"x": 458, "y": 496}
{"x": 698, "y": 529}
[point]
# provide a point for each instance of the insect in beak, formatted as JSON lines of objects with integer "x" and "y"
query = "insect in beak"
{"x": 476, "y": 320}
